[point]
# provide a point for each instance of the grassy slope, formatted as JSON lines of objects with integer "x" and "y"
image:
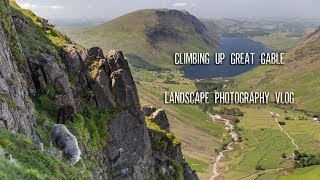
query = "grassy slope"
{"x": 279, "y": 41}
{"x": 128, "y": 33}
{"x": 30, "y": 163}
{"x": 300, "y": 74}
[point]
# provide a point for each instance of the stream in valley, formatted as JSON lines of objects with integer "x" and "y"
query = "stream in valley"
{"x": 216, "y": 172}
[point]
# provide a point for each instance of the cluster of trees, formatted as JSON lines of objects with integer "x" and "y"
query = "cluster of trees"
{"x": 228, "y": 111}
{"x": 302, "y": 118}
{"x": 209, "y": 86}
{"x": 288, "y": 118}
{"x": 259, "y": 167}
{"x": 304, "y": 160}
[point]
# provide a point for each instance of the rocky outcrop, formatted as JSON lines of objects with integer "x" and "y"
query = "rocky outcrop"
{"x": 109, "y": 77}
{"x": 160, "y": 118}
{"x": 112, "y": 87}
{"x": 17, "y": 112}
{"x": 46, "y": 71}
{"x": 165, "y": 149}
{"x": 130, "y": 144}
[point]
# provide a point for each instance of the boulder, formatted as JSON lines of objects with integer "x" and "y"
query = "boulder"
{"x": 95, "y": 53}
{"x": 160, "y": 118}
{"x": 148, "y": 110}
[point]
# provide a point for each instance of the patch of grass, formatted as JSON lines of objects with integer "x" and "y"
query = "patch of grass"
{"x": 96, "y": 122}
{"x": 166, "y": 139}
{"x": 312, "y": 172}
{"x": 33, "y": 164}
{"x": 198, "y": 165}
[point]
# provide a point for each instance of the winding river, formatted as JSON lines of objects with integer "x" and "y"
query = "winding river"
{"x": 215, "y": 169}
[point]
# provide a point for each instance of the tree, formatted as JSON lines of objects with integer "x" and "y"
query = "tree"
{"x": 259, "y": 167}
{"x": 283, "y": 155}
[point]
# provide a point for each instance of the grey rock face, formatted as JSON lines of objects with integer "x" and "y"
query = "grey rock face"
{"x": 63, "y": 138}
{"x": 72, "y": 59}
{"x": 130, "y": 143}
{"x": 160, "y": 118}
{"x": 17, "y": 112}
{"x": 45, "y": 71}
{"x": 101, "y": 87}
{"x": 116, "y": 62}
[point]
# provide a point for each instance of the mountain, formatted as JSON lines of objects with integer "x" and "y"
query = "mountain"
{"x": 300, "y": 74}
{"x": 42, "y": 74}
{"x": 150, "y": 37}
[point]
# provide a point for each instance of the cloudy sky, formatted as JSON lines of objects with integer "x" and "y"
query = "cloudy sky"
{"x": 200, "y": 8}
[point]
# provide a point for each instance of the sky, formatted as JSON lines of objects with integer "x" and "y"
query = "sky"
{"x": 90, "y": 9}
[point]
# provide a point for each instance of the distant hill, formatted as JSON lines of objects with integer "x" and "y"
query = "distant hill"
{"x": 300, "y": 74}
{"x": 279, "y": 34}
{"x": 75, "y": 23}
{"x": 150, "y": 36}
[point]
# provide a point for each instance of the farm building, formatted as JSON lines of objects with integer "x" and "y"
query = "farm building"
{"x": 316, "y": 118}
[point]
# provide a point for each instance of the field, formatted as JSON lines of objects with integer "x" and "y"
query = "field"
{"x": 279, "y": 41}
{"x": 264, "y": 143}
{"x": 311, "y": 173}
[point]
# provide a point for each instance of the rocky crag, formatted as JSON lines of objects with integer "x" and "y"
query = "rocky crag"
{"x": 40, "y": 65}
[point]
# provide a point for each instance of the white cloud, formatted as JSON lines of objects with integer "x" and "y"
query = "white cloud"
{"x": 36, "y": 6}
{"x": 181, "y": 4}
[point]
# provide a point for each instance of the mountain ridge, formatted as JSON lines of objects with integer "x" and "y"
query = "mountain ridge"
{"x": 155, "y": 33}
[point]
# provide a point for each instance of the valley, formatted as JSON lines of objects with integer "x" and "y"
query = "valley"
{"x": 264, "y": 142}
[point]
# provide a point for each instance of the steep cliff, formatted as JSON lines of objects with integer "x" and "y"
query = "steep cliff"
{"x": 42, "y": 70}
{"x": 17, "y": 112}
